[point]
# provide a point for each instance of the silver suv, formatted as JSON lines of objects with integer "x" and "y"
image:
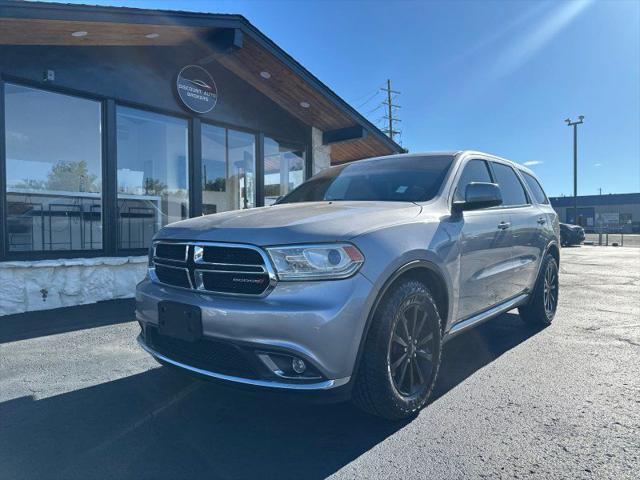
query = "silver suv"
{"x": 350, "y": 284}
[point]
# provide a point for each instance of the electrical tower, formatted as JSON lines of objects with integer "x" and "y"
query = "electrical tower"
{"x": 391, "y": 116}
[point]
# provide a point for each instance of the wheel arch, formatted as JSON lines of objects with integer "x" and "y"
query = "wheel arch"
{"x": 422, "y": 270}
{"x": 554, "y": 251}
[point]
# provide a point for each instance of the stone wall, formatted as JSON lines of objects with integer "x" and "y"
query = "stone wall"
{"x": 45, "y": 284}
{"x": 321, "y": 153}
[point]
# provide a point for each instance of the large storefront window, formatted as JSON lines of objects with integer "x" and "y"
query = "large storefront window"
{"x": 55, "y": 160}
{"x": 54, "y": 171}
{"x": 152, "y": 174}
{"x": 228, "y": 170}
{"x": 283, "y": 169}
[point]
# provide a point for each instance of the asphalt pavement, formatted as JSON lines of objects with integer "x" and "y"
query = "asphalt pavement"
{"x": 79, "y": 399}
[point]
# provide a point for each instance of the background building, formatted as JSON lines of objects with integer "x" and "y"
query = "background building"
{"x": 117, "y": 121}
{"x": 616, "y": 212}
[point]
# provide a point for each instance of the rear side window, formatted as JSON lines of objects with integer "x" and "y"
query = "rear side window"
{"x": 536, "y": 188}
{"x": 512, "y": 190}
{"x": 474, "y": 171}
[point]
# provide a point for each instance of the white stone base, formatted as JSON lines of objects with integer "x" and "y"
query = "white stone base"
{"x": 321, "y": 153}
{"x": 45, "y": 284}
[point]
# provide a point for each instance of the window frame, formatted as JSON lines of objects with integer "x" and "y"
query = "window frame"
{"x": 546, "y": 197}
{"x": 307, "y": 162}
{"x": 520, "y": 181}
{"x": 257, "y": 150}
{"x": 462, "y": 169}
{"x": 144, "y": 108}
{"x": 108, "y": 106}
{"x": 5, "y": 253}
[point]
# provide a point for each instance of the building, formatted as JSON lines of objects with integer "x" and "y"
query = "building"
{"x": 616, "y": 212}
{"x": 117, "y": 121}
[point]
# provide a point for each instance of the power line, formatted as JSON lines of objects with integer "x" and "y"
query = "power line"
{"x": 368, "y": 99}
{"x": 360, "y": 97}
{"x": 374, "y": 109}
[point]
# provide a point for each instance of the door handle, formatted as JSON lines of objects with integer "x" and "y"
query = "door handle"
{"x": 504, "y": 225}
{"x": 542, "y": 221}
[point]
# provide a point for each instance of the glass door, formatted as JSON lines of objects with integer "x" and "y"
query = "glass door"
{"x": 284, "y": 168}
{"x": 228, "y": 169}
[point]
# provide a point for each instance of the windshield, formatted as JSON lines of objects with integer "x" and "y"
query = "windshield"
{"x": 389, "y": 179}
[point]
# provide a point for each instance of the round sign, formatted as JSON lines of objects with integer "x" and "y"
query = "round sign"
{"x": 196, "y": 89}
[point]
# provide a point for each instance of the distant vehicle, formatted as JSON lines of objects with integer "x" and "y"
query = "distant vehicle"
{"x": 571, "y": 234}
{"x": 354, "y": 280}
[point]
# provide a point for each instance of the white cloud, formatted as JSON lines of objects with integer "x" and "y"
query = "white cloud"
{"x": 531, "y": 163}
{"x": 597, "y": 164}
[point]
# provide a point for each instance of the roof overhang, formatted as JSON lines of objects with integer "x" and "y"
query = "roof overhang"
{"x": 230, "y": 40}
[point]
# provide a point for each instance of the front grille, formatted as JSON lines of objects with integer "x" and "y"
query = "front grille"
{"x": 178, "y": 277}
{"x": 206, "y": 354}
{"x": 231, "y": 255}
{"x": 171, "y": 251}
{"x": 228, "y": 269}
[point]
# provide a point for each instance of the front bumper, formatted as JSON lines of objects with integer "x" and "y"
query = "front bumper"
{"x": 321, "y": 385}
{"x": 320, "y": 322}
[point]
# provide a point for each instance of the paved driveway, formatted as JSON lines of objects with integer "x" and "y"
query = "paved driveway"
{"x": 78, "y": 399}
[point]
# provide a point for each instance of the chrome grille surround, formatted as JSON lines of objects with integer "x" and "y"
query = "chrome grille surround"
{"x": 196, "y": 267}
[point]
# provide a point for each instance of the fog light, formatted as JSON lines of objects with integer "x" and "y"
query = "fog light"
{"x": 298, "y": 365}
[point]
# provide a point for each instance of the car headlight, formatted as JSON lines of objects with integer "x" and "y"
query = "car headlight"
{"x": 316, "y": 262}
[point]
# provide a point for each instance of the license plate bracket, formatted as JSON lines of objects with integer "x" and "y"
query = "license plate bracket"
{"x": 179, "y": 320}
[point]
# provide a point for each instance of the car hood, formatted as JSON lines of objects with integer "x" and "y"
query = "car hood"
{"x": 292, "y": 223}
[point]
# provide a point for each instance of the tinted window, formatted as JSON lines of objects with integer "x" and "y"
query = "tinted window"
{"x": 535, "y": 188}
{"x": 54, "y": 171}
{"x": 510, "y": 186}
{"x": 474, "y": 171}
{"x": 391, "y": 179}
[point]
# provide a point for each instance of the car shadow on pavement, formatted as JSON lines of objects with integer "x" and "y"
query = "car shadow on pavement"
{"x": 41, "y": 323}
{"x": 465, "y": 354}
{"x": 161, "y": 424}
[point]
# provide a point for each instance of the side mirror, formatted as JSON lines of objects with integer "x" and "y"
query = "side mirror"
{"x": 479, "y": 195}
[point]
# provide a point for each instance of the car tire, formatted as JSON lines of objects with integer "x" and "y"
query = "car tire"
{"x": 541, "y": 308}
{"x": 391, "y": 353}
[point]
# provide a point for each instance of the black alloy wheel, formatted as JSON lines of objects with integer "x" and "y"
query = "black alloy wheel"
{"x": 410, "y": 357}
{"x": 401, "y": 354}
{"x": 550, "y": 290}
{"x": 543, "y": 303}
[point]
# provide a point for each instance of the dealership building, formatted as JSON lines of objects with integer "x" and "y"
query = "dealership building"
{"x": 616, "y": 212}
{"x": 117, "y": 121}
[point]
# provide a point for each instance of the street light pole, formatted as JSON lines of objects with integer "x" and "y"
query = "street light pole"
{"x": 575, "y": 164}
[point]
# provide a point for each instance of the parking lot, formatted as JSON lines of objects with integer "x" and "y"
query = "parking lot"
{"x": 626, "y": 239}
{"x": 79, "y": 399}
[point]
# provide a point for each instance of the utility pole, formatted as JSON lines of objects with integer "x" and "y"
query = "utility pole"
{"x": 390, "y": 131}
{"x": 575, "y": 163}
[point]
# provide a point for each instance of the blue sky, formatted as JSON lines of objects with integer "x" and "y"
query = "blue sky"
{"x": 497, "y": 76}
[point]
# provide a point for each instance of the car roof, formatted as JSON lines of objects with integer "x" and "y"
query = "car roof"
{"x": 491, "y": 156}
